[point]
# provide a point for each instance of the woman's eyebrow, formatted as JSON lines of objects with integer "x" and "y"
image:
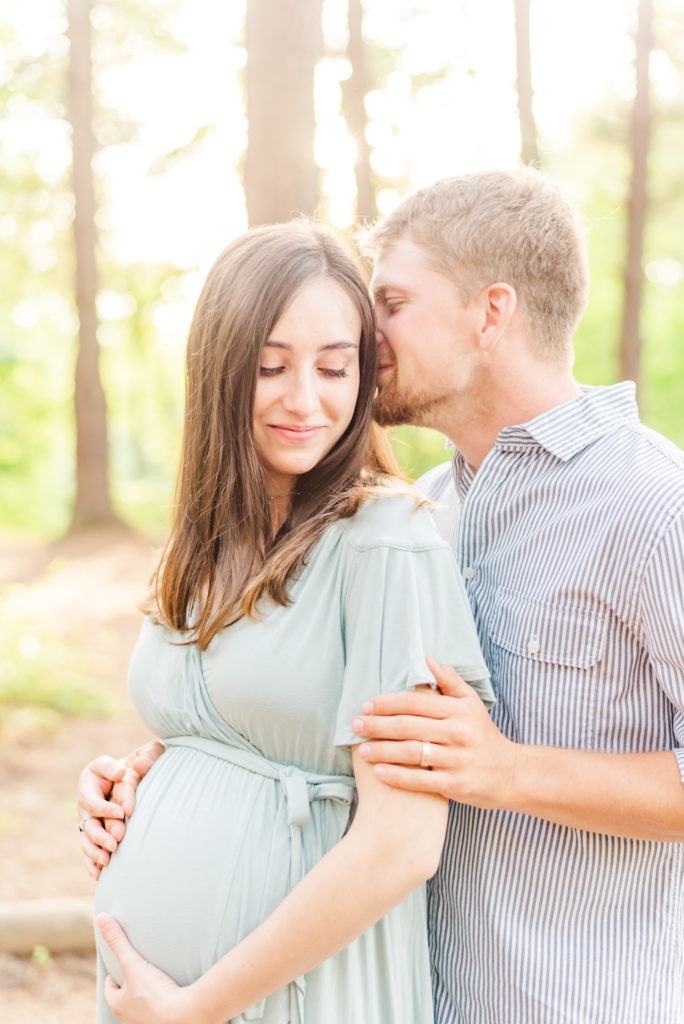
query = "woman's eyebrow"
{"x": 273, "y": 343}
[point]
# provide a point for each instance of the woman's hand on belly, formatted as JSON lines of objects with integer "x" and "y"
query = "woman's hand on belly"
{"x": 106, "y": 795}
{"x": 146, "y": 995}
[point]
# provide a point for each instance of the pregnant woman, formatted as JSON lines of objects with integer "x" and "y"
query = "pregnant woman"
{"x": 267, "y": 874}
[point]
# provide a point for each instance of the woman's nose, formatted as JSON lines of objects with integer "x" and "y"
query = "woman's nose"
{"x": 302, "y": 395}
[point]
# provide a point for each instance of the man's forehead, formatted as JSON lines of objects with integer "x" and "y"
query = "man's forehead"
{"x": 396, "y": 265}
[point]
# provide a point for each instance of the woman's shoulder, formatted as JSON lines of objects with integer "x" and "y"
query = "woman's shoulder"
{"x": 398, "y": 519}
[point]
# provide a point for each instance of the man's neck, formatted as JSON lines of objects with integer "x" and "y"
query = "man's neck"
{"x": 517, "y": 401}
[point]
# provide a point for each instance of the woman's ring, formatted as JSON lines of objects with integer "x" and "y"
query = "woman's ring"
{"x": 425, "y": 754}
{"x": 81, "y": 824}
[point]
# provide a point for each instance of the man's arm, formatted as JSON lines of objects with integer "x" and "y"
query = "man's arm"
{"x": 106, "y": 794}
{"x": 636, "y": 795}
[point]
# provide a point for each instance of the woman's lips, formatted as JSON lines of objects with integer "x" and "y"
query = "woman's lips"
{"x": 297, "y": 435}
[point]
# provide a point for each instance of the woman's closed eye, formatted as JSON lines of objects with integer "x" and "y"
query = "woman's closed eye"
{"x": 325, "y": 371}
{"x": 330, "y": 371}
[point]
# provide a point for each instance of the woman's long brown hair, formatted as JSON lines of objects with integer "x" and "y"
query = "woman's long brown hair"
{"x": 221, "y": 556}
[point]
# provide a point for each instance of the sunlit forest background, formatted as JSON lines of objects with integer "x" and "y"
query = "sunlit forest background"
{"x": 138, "y": 138}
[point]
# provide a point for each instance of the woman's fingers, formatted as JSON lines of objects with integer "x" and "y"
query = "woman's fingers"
{"x": 98, "y": 855}
{"x": 98, "y": 842}
{"x": 95, "y": 788}
{"x": 115, "y": 937}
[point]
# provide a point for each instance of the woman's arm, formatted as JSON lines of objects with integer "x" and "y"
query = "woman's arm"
{"x": 393, "y": 845}
{"x": 106, "y": 794}
{"x": 636, "y": 795}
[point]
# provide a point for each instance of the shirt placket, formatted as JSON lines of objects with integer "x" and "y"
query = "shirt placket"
{"x": 479, "y": 526}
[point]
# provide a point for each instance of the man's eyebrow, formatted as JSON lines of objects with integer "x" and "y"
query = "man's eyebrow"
{"x": 380, "y": 290}
{"x": 272, "y": 343}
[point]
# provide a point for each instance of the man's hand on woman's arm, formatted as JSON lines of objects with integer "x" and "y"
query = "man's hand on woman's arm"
{"x": 106, "y": 795}
{"x": 637, "y": 795}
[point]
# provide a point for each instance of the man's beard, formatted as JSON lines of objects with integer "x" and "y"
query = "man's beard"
{"x": 391, "y": 408}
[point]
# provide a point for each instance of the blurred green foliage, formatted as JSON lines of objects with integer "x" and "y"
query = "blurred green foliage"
{"x": 44, "y": 676}
{"x": 418, "y": 449}
{"x": 142, "y": 326}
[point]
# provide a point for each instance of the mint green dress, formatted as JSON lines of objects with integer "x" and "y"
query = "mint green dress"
{"x": 257, "y": 783}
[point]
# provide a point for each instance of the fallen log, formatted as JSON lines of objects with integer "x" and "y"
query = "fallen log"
{"x": 60, "y": 925}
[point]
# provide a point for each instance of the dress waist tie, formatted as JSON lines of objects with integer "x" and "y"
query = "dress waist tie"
{"x": 299, "y": 788}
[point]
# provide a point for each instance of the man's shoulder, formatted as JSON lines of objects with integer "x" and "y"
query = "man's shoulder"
{"x": 669, "y": 457}
{"x": 436, "y": 482}
{"x": 656, "y": 464}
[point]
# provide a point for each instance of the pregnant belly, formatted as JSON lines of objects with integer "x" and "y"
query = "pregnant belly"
{"x": 205, "y": 858}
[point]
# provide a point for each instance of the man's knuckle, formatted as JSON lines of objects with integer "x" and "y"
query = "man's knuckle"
{"x": 454, "y": 732}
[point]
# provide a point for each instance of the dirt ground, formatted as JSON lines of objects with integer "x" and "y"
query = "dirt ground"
{"x": 87, "y": 589}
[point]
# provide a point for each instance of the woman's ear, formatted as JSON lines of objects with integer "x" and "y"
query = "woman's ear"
{"x": 499, "y": 302}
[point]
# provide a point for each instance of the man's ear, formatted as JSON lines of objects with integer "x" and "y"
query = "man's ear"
{"x": 499, "y": 302}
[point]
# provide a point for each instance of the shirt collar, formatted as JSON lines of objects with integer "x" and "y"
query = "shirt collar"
{"x": 567, "y": 429}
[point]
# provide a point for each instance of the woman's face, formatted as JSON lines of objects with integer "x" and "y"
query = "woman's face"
{"x": 308, "y": 382}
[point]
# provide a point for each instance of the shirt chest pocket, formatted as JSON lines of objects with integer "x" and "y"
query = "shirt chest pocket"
{"x": 545, "y": 657}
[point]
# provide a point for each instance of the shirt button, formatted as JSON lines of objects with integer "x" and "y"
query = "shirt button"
{"x": 533, "y": 646}
{"x": 468, "y": 572}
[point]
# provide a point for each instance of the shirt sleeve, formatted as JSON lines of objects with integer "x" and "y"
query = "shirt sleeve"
{"x": 400, "y": 605}
{"x": 662, "y": 616}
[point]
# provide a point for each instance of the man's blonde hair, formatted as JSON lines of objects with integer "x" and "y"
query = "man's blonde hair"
{"x": 507, "y": 226}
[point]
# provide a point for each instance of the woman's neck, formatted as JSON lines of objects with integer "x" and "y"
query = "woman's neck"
{"x": 279, "y": 507}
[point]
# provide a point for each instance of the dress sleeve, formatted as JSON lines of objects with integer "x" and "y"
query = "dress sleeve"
{"x": 399, "y": 605}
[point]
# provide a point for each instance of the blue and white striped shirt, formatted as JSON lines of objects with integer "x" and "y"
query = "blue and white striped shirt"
{"x": 571, "y": 540}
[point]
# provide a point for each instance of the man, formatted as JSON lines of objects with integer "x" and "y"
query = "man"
{"x": 559, "y": 897}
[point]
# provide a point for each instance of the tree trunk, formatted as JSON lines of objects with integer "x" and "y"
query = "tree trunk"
{"x": 630, "y": 339}
{"x": 92, "y": 505}
{"x": 354, "y": 96}
{"x": 529, "y": 153}
{"x": 284, "y": 42}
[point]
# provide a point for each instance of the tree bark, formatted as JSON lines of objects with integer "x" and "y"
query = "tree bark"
{"x": 92, "y": 504}
{"x": 529, "y": 152}
{"x": 284, "y": 42}
{"x": 353, "y": 96}
{"x": 630, "y": 337}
